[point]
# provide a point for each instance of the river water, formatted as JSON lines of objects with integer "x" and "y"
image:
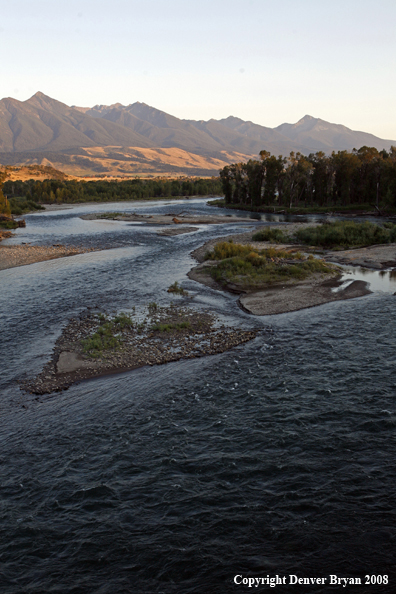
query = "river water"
{"x": 275, "y": 458}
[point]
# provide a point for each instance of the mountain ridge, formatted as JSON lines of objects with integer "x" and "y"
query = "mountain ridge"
{"x": 42, "y": 124}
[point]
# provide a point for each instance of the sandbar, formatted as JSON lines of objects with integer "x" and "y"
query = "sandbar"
{"x": 22, "y": 255}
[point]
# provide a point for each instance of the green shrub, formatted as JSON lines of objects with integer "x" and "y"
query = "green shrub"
{"x": 101, "y": 340}
{"x": 268, "y": 234}
{"x": 106, "y": 337}
{"x": 177, "y": 289}
{"x": 20, "y": 206}
{"x": 228, "y": 249}
{"x": 8, "y": 224}
{"x": 123, "y": 320}
{"x": 347, "y": 234}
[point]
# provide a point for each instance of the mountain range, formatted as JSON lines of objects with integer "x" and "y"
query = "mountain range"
{"x": 135, "y": 138}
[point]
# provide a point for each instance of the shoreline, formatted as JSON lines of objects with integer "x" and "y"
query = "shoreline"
{"x": 302, "y": 211}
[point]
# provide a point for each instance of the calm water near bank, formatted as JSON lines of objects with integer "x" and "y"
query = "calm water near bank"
{"x": 278, "y": 457}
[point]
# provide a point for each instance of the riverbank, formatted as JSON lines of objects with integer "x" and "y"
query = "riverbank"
{"x": 168, "y": 219}
{"x": 361, "y": 210}
{"x": 289, "y": 295}
{"x": 22, "y": 255}
{"x": 95, "y": 345}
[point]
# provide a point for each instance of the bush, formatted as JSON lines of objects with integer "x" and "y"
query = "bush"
{"x": 228, "y": 249}
{"x": 8, "y": 224}
{"x": 20, "y": 206}
{"x": 268, "y": 234}
{"x": 347, "y": 234}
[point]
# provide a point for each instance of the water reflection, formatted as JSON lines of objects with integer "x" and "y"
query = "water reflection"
{"x": 379, "y": 280}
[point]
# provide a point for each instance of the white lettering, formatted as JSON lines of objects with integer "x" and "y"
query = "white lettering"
{"x": 235, "y": 579}
{"x": 344, "y": 581}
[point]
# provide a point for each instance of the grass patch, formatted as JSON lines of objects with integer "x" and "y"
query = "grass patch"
{"x": 122, "y": 321}
{"x": 109, "y": 334}
{"x": 111, "y": 215}
{"x": 268, "y": 234}
{"x": 247, "y": 267}
{"x": 347, "y": 234}
{"x": 159, "y": 327}
{"x": 102, "y": 340}
{"x": 177, "y": 289}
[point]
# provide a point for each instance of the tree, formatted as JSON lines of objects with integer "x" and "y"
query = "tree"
{"x": 255, "y": 172}
{"x": 273, "y": 173}
{"x": 5, "y": 208}
{"x": 346, "y": 171}
{"x": 322, "y": 178}
{"x": 298, "y": 177}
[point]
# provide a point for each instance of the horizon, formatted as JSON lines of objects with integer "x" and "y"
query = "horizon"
{"x": 266, "y": 64}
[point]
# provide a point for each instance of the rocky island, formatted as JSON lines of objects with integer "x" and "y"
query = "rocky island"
{"x": 96, "y": 344}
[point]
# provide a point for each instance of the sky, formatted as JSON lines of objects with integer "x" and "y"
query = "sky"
{"x": 259, "y": 60}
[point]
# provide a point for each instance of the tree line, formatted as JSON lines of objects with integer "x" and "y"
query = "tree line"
{"x": 360, "y": 177}
{"x": 70, "y": 191}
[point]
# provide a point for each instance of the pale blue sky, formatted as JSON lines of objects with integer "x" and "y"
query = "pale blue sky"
{"x": 265, "y": 61}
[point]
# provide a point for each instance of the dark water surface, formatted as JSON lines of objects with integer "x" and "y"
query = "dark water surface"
{"x": 278, "y": 457}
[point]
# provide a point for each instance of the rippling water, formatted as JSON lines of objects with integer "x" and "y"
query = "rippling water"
{"x": 278, "y": 457}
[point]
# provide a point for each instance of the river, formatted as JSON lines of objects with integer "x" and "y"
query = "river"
{"x": 275, "y": 458}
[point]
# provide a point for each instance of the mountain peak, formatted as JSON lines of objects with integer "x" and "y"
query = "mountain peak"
{"x": 307, "y": 119}
{"x": 42, "y": 97}
{"x": 45, "y": 101}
